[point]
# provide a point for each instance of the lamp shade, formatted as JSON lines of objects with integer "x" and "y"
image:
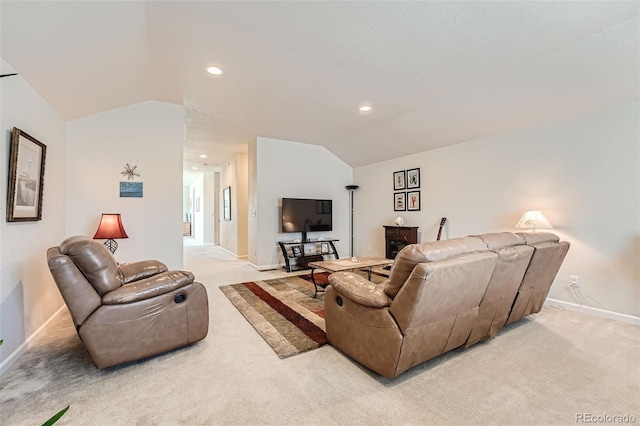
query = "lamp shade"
{"x": 110, "y": 227}
{"x": 533, "y": 219}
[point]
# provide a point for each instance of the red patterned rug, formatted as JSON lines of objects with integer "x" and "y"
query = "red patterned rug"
{"x": 283, "y": 311}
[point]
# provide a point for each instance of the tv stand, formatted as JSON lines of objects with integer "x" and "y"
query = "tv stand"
{"x": 298, "y": 254}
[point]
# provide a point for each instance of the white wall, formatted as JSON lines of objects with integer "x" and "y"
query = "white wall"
{"x": 208, "y": 207}
{"x": 197, "y": 200}
{"x": 294, "y": 170}
{"x": 584, "y": 174}
{"x": 150, "y": 134}
{"x": 233, "y": 233}
{"x": 28, "y": 295}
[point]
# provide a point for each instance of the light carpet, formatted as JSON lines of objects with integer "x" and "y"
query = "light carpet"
{"x": 544, "y": 370}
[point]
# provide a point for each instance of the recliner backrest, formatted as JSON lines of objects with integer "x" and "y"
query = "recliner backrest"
{"x": 549, "y": 252}
{"x": 78, "y": 294}
{"x": 414, "y": 254}
{"x": 437, "y": 306}
{"x": 94, "y": 261}
{"x": 513, "y": 258}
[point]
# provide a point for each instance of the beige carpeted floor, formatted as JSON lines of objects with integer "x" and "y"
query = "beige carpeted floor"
{"x": 546, "y": 369}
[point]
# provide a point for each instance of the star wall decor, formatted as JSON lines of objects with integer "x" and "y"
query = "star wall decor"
{"x": 130, "y": 172}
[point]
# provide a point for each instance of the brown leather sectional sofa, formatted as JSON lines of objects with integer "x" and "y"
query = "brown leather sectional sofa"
{"x": 129, "y": 312}
{"x": 439, "y": 296}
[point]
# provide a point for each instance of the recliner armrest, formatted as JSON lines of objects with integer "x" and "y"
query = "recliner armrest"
{"x": 149, "y": 287}
{"x": 139, "y": 270}
{"x": 359, "y": 289}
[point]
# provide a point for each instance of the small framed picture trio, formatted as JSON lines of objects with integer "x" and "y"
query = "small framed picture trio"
{"x": 407, "y": 181}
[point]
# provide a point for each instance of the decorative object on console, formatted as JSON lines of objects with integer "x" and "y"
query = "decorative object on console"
{"x": 533, "y": 219}
{"x": 399, "y": 201}
{"x": 26, "y": 178}
{"x": 130, "y": 189}
{"x": 351, "y": 188}
{"x": 413, "y": 201}
{"x": 110, "y": 228}
{"x": 130, "y": 171}
{"x": 413, "y": 178}
{"x": 399, "y": 221}
{"x": 399, "y": 180}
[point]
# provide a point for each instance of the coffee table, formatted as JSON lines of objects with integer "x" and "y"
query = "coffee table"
{"x": 347, "y": 264}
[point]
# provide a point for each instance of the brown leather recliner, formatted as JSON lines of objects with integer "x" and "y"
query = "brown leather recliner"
{"x": 428, "y": 305}
{"x": 440, "y": 296}
{"x": 129, "y": 312}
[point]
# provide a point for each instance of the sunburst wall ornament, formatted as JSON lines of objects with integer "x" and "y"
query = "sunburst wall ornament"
{"x": 130, "y": 172}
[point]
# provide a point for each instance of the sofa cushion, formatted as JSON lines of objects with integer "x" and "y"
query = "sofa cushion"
{"x": 434, "y": 251}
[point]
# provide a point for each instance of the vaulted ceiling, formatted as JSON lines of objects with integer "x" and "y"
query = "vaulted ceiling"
{"x": 435, "y": 73}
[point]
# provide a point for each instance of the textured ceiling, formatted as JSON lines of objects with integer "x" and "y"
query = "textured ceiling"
{"x": 436, "y": 73}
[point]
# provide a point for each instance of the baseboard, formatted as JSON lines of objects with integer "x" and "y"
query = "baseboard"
{"x": 11, "y": 359}
{"x": 241, "y": 257}
{"x": 630, "y": 319}
{"x": 265, "y": 267}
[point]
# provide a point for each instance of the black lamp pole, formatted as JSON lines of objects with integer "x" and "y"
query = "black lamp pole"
{"x": 351, "y": 188}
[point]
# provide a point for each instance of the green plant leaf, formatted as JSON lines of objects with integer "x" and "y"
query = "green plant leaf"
{"x": 56, "y": 417}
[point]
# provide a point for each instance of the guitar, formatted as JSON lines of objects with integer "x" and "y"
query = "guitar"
{"x": 442, "y": 222}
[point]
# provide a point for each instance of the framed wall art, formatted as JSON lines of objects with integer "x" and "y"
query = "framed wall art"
{"x": 130, "y": 189}
{"x": 399, "y": 201}
{"x": 413, "y": 201}
{"x": 413, "y": 178}
{"x": 399, "y": 180}
{"x": 26, "y": 177}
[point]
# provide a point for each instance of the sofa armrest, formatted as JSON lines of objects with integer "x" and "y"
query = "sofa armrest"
{"x": 139, "y": 270}
{"x": 359, "y": 289}
{"x": 147, "y": 288}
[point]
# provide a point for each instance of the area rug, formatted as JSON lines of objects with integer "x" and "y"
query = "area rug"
{"x": 283, "y": 311}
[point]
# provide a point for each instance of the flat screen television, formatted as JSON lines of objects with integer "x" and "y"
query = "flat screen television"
{"x": 306, "y": 215}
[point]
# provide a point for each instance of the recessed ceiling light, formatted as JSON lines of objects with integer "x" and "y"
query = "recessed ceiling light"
{"x": 194, "y": 168}
{"x": 203, "y": 155}
{"x": 214, "y": 70}
{"x": 364, "y": 108}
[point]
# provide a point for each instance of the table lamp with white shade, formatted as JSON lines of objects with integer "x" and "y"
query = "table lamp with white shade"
{"x": 533, "y": 219}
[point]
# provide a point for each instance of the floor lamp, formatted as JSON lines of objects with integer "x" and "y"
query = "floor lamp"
{"x": 351, "y": 188}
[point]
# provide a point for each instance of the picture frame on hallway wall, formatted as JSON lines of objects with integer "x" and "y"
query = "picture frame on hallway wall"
{"x": 26, "y": 177}
{"x": 413, "y": 178}
{"x": 400, "y": 201}
{"x": 399, "y": 180}
{"x": 226, "y": 202}
{"x": 413, "y": 201}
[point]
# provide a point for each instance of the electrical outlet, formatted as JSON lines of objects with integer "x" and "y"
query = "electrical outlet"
{"x": 574, "y": 281}
{"x": 369, "y": 248}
